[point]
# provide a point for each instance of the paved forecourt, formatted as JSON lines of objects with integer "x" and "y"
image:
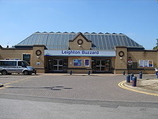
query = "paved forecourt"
{"x": 100, "y": 87}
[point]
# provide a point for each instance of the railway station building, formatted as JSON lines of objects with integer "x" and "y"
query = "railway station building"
{"x": 62, "y": 52}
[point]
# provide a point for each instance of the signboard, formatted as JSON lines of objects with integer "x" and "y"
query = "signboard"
{"x": 87, "y": 62}
{"x": 145, "y": 63}
{"x": 77, "y": 62}
{"x": 96, "y": 53}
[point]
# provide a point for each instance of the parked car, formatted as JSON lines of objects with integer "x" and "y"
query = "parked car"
{"x": 16, "y": 66}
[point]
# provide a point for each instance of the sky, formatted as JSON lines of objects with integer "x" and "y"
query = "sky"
{"x": 138, "y": 19}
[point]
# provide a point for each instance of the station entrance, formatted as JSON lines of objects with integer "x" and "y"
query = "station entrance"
{"x": 60, "y": 65}
{"x": 101, "y": 65}
{"x": 56, "y": 64}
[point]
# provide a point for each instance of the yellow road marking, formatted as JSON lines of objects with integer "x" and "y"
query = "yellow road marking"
{"x": 121, "y": 85}
{"x": 12, "y": 82}
{"x": 16, "y": 81}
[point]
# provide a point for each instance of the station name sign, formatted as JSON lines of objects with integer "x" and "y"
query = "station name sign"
{"x": 80, "y": 53}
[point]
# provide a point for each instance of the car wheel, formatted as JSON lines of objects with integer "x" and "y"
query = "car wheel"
{"x": 25, "y": 72}
{"x": 30, "y": 73}
{"x": 4, "y": 72}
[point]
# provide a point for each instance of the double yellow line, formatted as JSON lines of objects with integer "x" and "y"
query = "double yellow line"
{"x": 12, "y": 82}
{"x": 122, "y": 85}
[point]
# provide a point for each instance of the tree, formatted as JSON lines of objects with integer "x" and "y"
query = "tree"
{"x": 156, "y": 47}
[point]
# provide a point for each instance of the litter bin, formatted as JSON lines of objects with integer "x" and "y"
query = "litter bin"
{"x": 134, "y": 81}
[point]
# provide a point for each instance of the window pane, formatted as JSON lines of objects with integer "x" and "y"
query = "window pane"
{"x": 27, "y": 57}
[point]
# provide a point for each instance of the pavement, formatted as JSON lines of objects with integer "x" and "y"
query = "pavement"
{"x": 146, "y": 85}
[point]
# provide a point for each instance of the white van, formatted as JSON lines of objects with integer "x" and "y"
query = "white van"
{"x": 15, "y": 66}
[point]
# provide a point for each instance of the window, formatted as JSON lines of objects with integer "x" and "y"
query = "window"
{"x": 77, "y": 62}
{"x": 145, "y": 63}
{"x": 27, "y": 57}
{"x": 7, "y": 63}
{"x": 22, "y": 63}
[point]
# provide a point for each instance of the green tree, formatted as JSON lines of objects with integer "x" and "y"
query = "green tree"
{"x": 156, "y": 47}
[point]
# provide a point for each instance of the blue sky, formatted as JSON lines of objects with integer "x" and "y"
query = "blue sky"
{"x": 137, "y": 19}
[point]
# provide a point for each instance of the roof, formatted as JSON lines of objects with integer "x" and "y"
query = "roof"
{"x": 60, "y": 40}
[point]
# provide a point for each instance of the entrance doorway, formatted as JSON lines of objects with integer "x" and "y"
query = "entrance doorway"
{"x": 101, "y": 65}
{"x": 57, "y": 65}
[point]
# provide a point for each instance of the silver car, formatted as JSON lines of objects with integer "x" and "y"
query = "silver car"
{"x": 15, "y": 66}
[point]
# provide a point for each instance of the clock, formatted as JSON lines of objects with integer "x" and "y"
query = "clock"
{"x": 80, "y": 41}
{"x": 38, "y": 52}
{"x": 121, "y": 53}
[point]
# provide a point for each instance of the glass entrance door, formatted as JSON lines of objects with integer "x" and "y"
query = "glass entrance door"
{"x": 101, "y": 65}
{"x": 57, "y": 65}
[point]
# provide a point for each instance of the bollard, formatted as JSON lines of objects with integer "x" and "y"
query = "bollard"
{"x": 157, "y": 74}
{"x": 134, "y": 81}
{"x": 128, "y": 78}
{"x": 140, "y": 75}
{"x": 131, "y": 76}
{"x": 124, "y": 72}
{"x": 89, "y": 72}
{"x": 70, "y": 72}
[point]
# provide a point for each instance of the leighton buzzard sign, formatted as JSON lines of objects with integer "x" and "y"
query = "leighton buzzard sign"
{"x": 80, "y": 53}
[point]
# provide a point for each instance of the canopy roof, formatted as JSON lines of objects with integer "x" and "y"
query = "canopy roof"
{"x": 60, "y": 40}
